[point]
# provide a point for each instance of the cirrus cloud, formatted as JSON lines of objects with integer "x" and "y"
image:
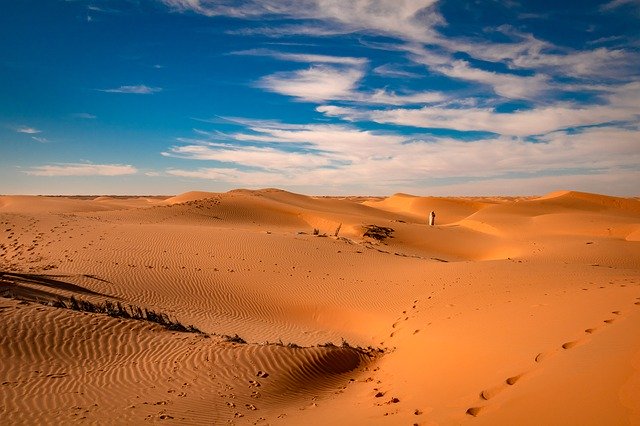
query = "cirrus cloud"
{"x": 82, "y": 169}
{"x": 136, "y": 90}
{"x": 28, "y": 130}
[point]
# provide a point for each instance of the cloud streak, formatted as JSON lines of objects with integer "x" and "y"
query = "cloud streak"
{"x": 84, "y": 115}
{"x": 136, "y": 90}
{"x": 303, "y": 57}
{"x": 82, "y": 169}
{"x": 407, "y": 19}
{"x": 322, "y": 83}
{"x": 28, "y": 130}
{"x": 621, "y": 106}
{"x": 271, "y": 153}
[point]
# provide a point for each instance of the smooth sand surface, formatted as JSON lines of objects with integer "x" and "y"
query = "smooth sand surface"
{"x": 511, "y": 310}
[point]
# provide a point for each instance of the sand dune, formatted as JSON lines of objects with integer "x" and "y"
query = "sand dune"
{"x": 509, "y": 311}
{"x": 448, "y": 209}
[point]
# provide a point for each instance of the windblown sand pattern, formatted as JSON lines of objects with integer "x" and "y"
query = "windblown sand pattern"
{"x": 508, "y": 311}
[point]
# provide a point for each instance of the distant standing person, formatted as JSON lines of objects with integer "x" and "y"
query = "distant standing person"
{"x": 432, "y": 218}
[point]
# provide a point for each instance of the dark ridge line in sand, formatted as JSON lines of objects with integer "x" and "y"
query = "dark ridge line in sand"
{"x": 11, "y": 287}
{"x": 50, "y": 281}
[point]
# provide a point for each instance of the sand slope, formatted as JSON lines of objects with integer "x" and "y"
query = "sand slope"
{"x": 509, "y": 311}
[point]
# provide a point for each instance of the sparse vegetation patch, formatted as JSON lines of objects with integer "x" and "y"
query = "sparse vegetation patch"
{"x": 378, "y": 233}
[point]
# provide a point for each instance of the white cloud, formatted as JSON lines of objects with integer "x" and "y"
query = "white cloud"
{"x": 526, "y": 52}
{"x": 28, "y": 130}
{"x": 315, "y": 84}
{"x": 408, "y": 19}
{"x": 137, "y": 90}
{"x": 323, "y": 83}
{"x": 82, "y": 169}
{"x": 39, "y": 139}
{"x": 600, "y": 62}
{"x": 250, "y": 156}
{"x": 621, "y": 105}
{"x": 342, "y": 156}
{"x": 416, "y": 23}
{"x": 384, "y": 97}
{"x": 233, "y": 175}
{"x": 303, "y": 57}
{"x": 506, "y": 85}
{"x": 308, "y": 30}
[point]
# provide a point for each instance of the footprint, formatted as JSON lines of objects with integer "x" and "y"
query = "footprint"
{"x": 487, "y": 394}
{"x": 512, "y": 380}
{"x": 570, "y": 345}
{"x": 543, "y": 355}
{"x": 474, "y": 411}
{"x": 609, "y": 321}
{"x": 616, "y": 312}
{"x": 590, "y": 330}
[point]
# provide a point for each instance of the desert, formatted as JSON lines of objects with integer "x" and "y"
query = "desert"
{"x": 320, "y": 212}
{"x": 271, "y": 307}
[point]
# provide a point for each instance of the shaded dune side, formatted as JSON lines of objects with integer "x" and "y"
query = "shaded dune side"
{"x": 569, "y": 201}
{"x": 560, "y": 213}
{"x": 66, "y": 360}
{"x": 586, "y": 200}
{"x": 260, "y": 208}
{"x": 447, "y": 210}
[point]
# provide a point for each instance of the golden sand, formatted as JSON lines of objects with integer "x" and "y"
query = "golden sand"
{"x": 509, "y": 311}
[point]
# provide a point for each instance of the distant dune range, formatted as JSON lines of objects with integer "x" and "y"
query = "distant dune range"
{"x": 511, "y": 310}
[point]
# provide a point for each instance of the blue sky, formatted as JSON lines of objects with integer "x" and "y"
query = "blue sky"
{"x": 319, "y": 96}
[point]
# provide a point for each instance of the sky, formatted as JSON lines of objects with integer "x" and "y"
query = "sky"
{"x": 326, "y": 97}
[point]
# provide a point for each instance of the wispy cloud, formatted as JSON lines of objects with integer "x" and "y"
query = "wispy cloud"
{"x": 303, "y": 57}
{"x": 322, "y": 83}
{"x": 39, "y": 139}
{"x": 614, "y": 4}
{"x": 308, "y": 30}
{"x": 82, "y": 169}
{"x": 520, "y": 123}
{"x": 390, "y": 70}
{"x": 621, "y": 105}
{"x": 84, "y": 115}
{"x": 340, "y": 155}
{"x": 28, "y": 130}
{"x": 506, "y": 85}
{"x": 408, "y": 19}
{"x": 137, "y": 90}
